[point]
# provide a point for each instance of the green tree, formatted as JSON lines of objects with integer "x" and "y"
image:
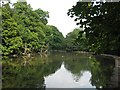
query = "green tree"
{"x": 70, "y": 39}
{"x": 31, "y": 25}
{"x": 25, "y": 30}
{"x": 11, "y": 41}
{"x": 54, "y": 38}
{"x": 43, "y": 15}
{"x": 23, "y": 12}
{"x": 76, "y": 40}
{"x": 101, "y": 23}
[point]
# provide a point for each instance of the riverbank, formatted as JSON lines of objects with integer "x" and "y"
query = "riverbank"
{"x": 114, "y": 56}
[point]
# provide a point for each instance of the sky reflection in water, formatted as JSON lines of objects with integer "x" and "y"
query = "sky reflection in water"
{"x": 55, "y": 71}
{"x": 63, "y": 78}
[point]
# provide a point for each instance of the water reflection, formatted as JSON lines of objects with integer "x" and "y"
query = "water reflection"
{"x": 63, "y": 78}
{"x": 58, "y": 70}
{"x": 102, "y": 69}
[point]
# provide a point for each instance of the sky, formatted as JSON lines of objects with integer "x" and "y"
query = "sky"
{"x": 58, "y": 13}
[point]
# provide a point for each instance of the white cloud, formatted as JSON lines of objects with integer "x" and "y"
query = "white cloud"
{"x": 58, "y": 13}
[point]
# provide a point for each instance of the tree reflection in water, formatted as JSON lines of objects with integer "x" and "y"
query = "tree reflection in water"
{"x": 95, "y": 71}
{"x": 63, "y": 78}
{"x": 101, "y": 69}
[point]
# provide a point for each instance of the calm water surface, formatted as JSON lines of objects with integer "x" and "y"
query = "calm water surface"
{"x": 58, "y": 70}
{"x": 63, "y": 78}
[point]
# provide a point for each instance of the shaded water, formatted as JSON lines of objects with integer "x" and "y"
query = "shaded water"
{"x": 58, "y": 70}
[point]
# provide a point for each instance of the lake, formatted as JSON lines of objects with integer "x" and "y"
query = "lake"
{"x": 58, "y": 70}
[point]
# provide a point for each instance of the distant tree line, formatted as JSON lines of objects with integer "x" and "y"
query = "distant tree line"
{"x": 74, "y": 43}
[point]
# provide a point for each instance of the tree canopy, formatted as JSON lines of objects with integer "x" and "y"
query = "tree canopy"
{"x": 25, "y": 30}
{"x": 102, "y": 25}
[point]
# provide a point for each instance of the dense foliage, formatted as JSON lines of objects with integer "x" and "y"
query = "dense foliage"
{"x": 25, "y": 30}
{"x": 102, "y": 25}
{"x": 54, "y": 38}
{"x": 75, "y": 42}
